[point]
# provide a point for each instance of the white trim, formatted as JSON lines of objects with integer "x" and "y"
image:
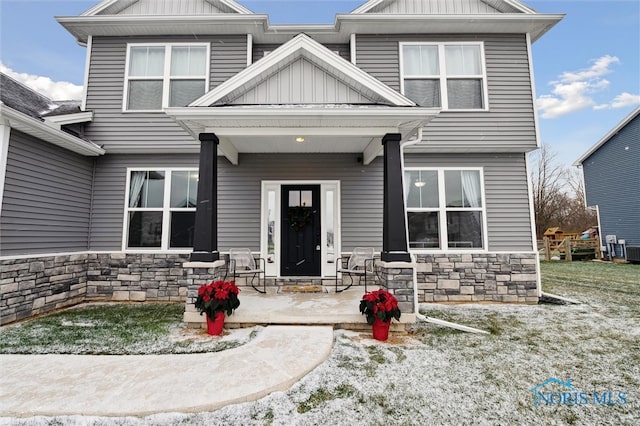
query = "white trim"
{"x": 95, "y": 10}
{"x": 87, "y": 63}
{"x": 249, "y": 49}
{"x": 536, "y": 120}
{"x": 326, "y": 268}
{"x": 364, "y": 8}
{"x": 353, "y": 50}
{"x": 166, "y": 78}
{"x": 166, "y": 210}
{"x": 290, "y": 51}
{"x": 5, "y": 137}
{"x": 608, "y": 136}
{"x": 370, "y": 4}
{"x": 532, "y": 213}
{"x": 236, "y": 6}
{"x": 99, "y": 7}
{"x": 57, "y": 121}
{"x": 442, "y": 77}
{"x": 442, "y": 211}
{"x": 40, "y": 130}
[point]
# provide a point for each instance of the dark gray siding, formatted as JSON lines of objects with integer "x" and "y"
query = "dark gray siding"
{"x": 343, "y": 50}
{"x": 361, "y": 194}
{"x": 509, "y": 123}
{"x": 47, "y": 198}
{"x": 506, "y": 194}
{"x": 120, "y": 131}
{"x": 612, "y": 182}
{"x": 239, "y": 194}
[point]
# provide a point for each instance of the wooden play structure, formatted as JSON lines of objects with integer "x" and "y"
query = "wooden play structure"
{"x": 569, "y": 246}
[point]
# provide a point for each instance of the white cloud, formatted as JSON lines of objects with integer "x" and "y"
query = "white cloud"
{"x": 574, "y": 91}
{"x": 623, "y": 100}
{"x": 55, "y": 90}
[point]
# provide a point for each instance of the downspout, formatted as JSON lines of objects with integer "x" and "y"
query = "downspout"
{"x": 93, "y": 184}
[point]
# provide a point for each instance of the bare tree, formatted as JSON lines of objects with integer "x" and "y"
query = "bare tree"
{"x": 558, "y": 194}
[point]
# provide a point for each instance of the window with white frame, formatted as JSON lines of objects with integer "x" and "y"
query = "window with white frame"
{"x": 445, "y": 208}
{"x": 446, "y": 75}
{"x": 160, "y": 211}
{"x": 161, "y": 76}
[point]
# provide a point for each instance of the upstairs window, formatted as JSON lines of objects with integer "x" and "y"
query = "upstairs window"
{"x": 446, "y": 75}
{"x": 445, "y": 208}
{"x": 160, "y": 76}
{"x": 160, "y": 212}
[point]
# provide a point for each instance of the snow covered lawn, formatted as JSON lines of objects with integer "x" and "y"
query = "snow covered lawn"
{"x": 440, "y": 376}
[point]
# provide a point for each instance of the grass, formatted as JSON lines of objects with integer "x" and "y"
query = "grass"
{"x": 110, "y": 329}
{"x": 441, "y": 376}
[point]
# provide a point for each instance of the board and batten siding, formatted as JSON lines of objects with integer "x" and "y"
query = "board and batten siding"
{"x": 47, "y": 198}
{"x": 506, "y": 194}
{"x": 117, "y": 131}
{"x": 239, "y": 193}
{"x": 435, "y": 7}
{"x": 612, "y": 182}
{"x": 509, "y": 123}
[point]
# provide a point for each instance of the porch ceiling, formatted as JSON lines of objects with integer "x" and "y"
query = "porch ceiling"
{"x": 325, "y": 128}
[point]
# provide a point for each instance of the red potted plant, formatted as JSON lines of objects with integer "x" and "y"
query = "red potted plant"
{"x": 215, "y": 299}
{"x": 380, "y": 307}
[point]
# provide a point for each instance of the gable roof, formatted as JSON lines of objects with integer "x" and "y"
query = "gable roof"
{"x": 441, "y": 6}
{"x": 24, "y": 110}
{"x": 608, "y": 136}
{"x": 303, "y": 46}
{"x": 165, "y": 7}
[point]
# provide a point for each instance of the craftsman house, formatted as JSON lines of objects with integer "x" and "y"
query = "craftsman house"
{"x": 403, "y": 127}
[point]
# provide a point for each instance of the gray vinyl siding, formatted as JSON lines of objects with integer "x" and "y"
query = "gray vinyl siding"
{"x": 612, "y": 182}
{"x": 119, "y": 131}
{"x": 509, "y": 123}
{"x": 239, "y": 189}
{"x": 506, "y": 194}
{"x": 344, "y": 50}
{"x": 239, "y": 194}
{"x": 47, "y": 198}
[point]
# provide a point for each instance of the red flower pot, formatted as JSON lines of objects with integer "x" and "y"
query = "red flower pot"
{"x": 381, "y": 329}
{"x": 216, "y": 325}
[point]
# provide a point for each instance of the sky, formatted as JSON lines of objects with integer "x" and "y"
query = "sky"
{"x": 586, "y": 68}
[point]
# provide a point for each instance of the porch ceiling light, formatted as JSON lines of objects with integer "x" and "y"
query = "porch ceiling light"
{"x": 299, "y": 139}
{"x": 419, "y": 183}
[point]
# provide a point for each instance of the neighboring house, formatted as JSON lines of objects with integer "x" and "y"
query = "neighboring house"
{"x": 404, "y": 126}
{"x": 611, "y": 171}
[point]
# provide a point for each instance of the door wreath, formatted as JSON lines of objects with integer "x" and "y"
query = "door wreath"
{"x": 300, "y": 217}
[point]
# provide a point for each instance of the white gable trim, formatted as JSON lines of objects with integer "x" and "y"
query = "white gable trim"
{"x": 95, "y": 10}
{"x": 289, "y": 52}
{"x": 56, "y": 121}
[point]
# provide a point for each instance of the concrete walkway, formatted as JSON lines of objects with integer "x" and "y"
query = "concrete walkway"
{"x": 138, "y": 385}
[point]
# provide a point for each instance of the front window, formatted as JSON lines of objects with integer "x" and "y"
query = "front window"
{"x": 161, "y": 76}
{"x": 445, "y": 75}
{"x": 444, "y": 209}
{"x": 161, "y": 209}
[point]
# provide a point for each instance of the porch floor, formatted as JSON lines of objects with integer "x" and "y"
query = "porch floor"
{"x": 337, "y": 309}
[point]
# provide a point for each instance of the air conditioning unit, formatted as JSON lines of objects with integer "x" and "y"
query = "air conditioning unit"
{"x": 633, "y": 254}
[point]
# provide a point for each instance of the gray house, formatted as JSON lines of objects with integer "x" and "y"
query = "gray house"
{"x": 611, "y": 172}
{"x": 404, "y": 126}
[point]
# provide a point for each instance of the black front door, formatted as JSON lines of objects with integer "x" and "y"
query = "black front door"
{"x": 300, "y": 239}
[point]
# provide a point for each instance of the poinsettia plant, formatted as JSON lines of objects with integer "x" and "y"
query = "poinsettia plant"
{"x": 379, "y": 304}
{"x": 217, "y": 296}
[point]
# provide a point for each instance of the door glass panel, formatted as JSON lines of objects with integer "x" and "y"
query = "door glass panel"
{"x": 294, "y": 198}
{"x": 271, "y": 226}
{"x": 328, "y": 211}
{"x": 306, "y": 199}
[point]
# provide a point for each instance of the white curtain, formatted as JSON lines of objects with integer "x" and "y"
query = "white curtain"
{"x": 135, "y": 188}
{"x": 471, "y": 188}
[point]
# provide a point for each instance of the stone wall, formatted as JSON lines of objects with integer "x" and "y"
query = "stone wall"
{"x": 477, "y": 277}
{"x": 37, "y": 285}
{"x": 397, "y": 278}
{"x": 137, "y": 277}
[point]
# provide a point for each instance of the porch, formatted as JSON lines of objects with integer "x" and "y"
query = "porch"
{"x": 339, "y": 310}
